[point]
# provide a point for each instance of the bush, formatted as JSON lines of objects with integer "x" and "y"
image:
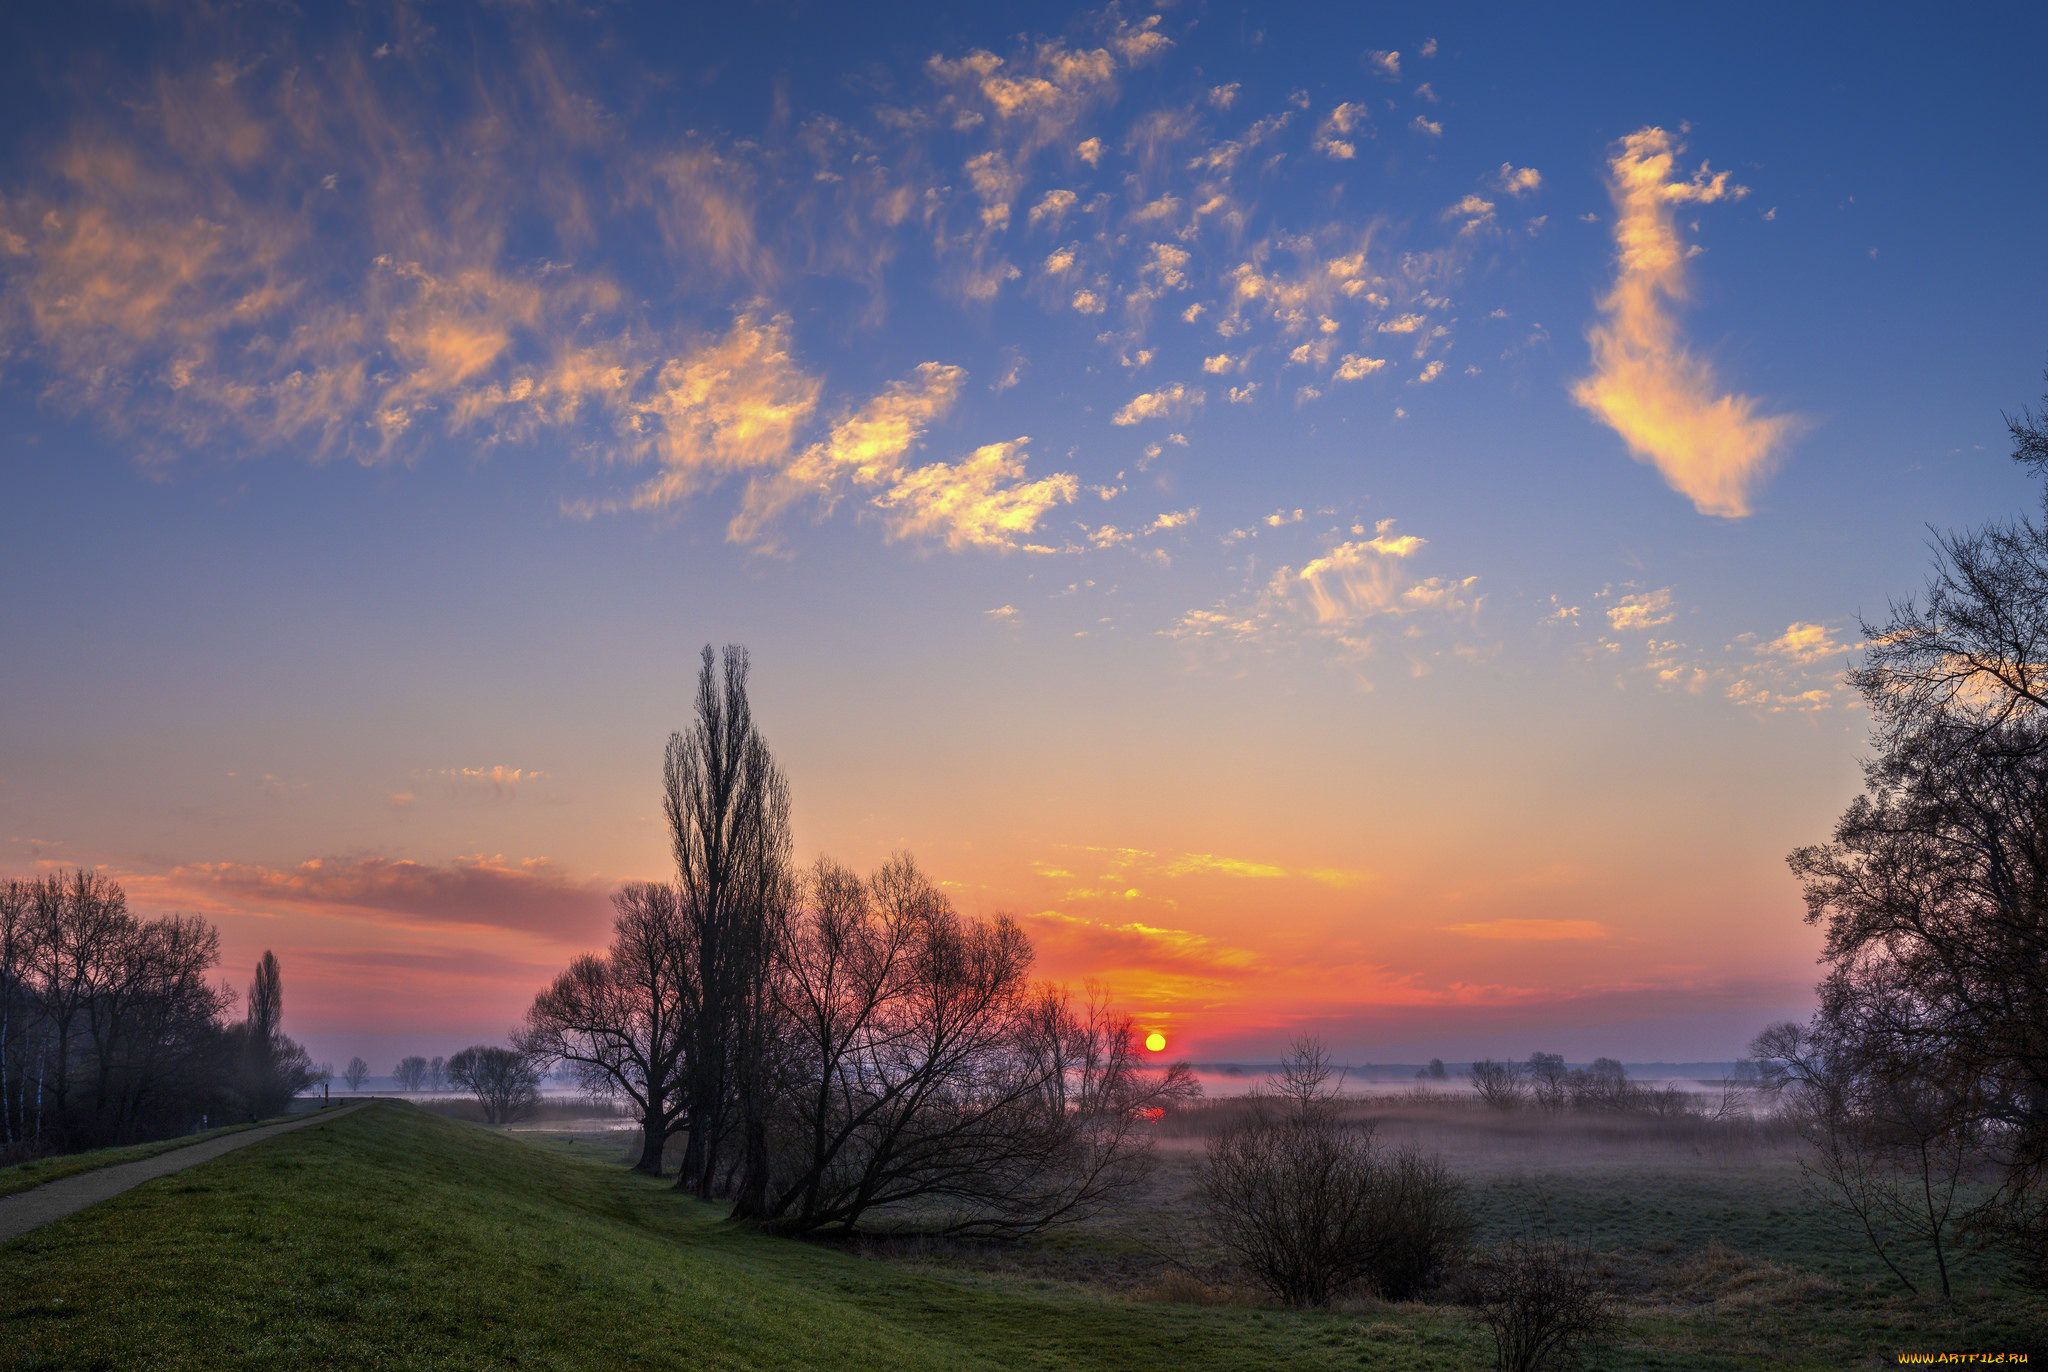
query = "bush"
{"x": 1542, "y": 1303}
{"x": 1422, "y": 1224}
{"x": 1313, "y": 1209}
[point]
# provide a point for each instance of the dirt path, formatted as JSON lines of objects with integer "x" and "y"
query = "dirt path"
{"x": 53, "y": 1200}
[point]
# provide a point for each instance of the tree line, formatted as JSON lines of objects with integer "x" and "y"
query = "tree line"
{"x": 1543, "y": 1082}
{"x": 817, "y": 1044}
{"x": 111, "y": 1031}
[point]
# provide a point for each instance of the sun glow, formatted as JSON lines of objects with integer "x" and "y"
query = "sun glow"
{"x": 1156, "y": 1041}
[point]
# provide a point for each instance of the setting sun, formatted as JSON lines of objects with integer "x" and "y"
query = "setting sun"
{"x": 1156, "y": 1041}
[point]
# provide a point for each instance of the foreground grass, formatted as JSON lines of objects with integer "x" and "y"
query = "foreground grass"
{"x": 23, "y": 1176}
{"x": 394, "y": 1239}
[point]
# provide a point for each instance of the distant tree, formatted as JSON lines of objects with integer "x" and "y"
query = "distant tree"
{"x": 437, "y": 1073}
{"x": 1549, "y": 1081}
{"x": 355, "y": 1073}
{"x": 1436, "y": 1070}
{"x": 1602, "y": 1085}
{"x": 503, "y": 1080}
{"x": 411, "y": 1073}
{"x": 1499, "y": 1084}
{"x": 621, "y": 1018}
{"x": 1934, "y": 890}
{"x": 275, "y": 1068}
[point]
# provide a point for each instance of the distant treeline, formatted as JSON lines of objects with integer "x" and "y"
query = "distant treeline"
{"x": 1545, "y": 1083}
{"x": 111, "y": 1032}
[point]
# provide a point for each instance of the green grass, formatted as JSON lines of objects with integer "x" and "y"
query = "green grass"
{"x": 395, "y": 1239}
{"x": 23, "y": 1176}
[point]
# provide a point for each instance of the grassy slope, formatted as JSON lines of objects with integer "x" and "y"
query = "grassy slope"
{"x": 398, "y": 1240}
{"x": 22, "y": 1176}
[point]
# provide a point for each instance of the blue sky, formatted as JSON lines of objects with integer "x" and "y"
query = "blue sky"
{"x": 1163, "y": 462}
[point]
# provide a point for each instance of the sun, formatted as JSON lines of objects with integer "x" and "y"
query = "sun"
{"x": 1156, "y": 1041}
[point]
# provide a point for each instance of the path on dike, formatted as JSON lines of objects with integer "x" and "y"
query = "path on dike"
{"x": 53, "y": 1200}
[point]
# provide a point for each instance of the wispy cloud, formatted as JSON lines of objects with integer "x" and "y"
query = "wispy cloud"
{"x": 1713, "y": 446}
{"x": 1337, "y": 598}
{"x": 1170, "y": 402}
{"x": 1643, "y": 610}
{"x": 530, "y": 897}
{"x": 1530, "y": 930}
{"x": 982, "y": 501}
{"x": 314, "y": 254}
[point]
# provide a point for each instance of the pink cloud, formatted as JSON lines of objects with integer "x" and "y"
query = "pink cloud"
{"x": 530, "y": 897}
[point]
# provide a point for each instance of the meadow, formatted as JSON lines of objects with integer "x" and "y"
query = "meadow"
{"x": 398, "y": 1238}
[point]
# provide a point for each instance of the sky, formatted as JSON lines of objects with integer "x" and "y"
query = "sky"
{"x": 1340, "y": 519}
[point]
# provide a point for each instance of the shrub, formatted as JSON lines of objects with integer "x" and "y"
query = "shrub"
{"x": 1313, "y": 1209}
{"x": 1421, "y": 1221}
{"x": 1542, "y": 1303}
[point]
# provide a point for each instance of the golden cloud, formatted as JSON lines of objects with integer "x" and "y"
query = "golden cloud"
{"x": 1711, "y": 445}
{"x": 1336, "y": 597}
{"x": 864, "y": 448}
{"x": 982, "y": 501}
{"x": 1643, "y": 611}
{"x": 735, "y": 405}
{"x": 1167, "y": 402}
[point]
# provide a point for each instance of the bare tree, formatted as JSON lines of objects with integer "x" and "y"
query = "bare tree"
{"x": 437, "y": 1073}
{"x": 1603, "y": 1085}
{"x": 411, "y": 1073}
{"x": 150, "y": 1024}
{"x": 917, "y": 1063}
{"x": 109, "y": 1025}
{"x": 1934, "y": 890}
{"x": 619, "y": 1018}
{"x": 79, "y": 926}
{"x": 503, "y": 1080}
{"x": 19, "y": 1012}
{"x": 1549, "y": 1082}
{"x": 1892, "y": 1145}
{"x": 355, "y": 1073}
{"x": 1543, "y": 1303}
{"x": 728, "y": 814}
{"x": 1499, "y": 1084}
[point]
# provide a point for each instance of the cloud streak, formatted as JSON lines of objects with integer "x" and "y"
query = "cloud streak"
{"x": 1712, "y": 445}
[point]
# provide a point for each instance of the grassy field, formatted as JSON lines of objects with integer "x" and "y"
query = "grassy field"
{"x": 24, "y": 1175}
{"x": 394, "y": 1238}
